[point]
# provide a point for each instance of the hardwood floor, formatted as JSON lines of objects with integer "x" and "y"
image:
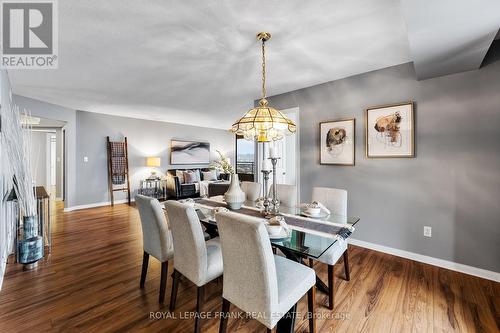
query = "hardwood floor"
{"x": 91, "y": 283}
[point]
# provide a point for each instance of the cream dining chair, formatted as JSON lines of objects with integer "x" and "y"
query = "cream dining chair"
{"x": 198, "y": 260}
{"x": 156, "y": 238}
{"x": 255, "y": 280}
{"x": 287, "y": 194}
{"x": 336, "y": 201}
{"x": 251, "y": 189}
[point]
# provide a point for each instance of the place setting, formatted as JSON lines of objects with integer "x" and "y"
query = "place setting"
{"x": 278, "y": 229}
{"x": 315, "y": 210}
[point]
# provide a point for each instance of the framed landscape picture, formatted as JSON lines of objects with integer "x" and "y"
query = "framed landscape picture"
{"x": 390, "y": 131}
{"x": 337, "y": 141}
{"x": 189, "y": 152}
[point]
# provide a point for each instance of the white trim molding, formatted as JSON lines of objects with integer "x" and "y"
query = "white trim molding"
{"x": 97, "y": 204}
{"x": 479, "y": 272}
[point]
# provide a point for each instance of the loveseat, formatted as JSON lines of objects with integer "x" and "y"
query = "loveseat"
{"x": 177, "y": 188}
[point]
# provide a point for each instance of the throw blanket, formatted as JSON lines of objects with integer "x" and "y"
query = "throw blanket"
{"x": 204, "y": 188}
{"x": 118, "y": 163}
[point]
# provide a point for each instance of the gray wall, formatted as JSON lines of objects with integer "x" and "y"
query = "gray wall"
{"x": 453, "y": 184}
{"x": 86, "y": 183}
{"x": 145, "y": 138}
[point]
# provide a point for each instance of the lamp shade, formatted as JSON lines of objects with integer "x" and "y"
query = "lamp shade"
{"x": 264, "y": 124}
{"x": 153, "y": 161}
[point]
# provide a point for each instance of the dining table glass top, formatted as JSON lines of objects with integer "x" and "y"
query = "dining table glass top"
{"x": 306, "y": 237}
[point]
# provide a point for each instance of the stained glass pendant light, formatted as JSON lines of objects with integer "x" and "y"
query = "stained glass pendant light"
{"x": 264, "y": 123}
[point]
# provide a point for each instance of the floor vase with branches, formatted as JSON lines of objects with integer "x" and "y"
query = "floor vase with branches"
{"x": 17, "y": 141}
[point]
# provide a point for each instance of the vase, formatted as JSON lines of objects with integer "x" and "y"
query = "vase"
{"x": 234, "y": 196}
{"x": 30, "y": 226}
{"x": 30, "y": 247}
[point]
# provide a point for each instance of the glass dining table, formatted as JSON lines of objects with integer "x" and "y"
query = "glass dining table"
{"x": 306, "y": 237}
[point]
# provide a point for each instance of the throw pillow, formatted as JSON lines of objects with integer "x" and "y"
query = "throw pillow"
{"x": 210, "y": 175}
{"x": 180, "y": 174}
{"x": 198, "y": 175}
{"x": 191, "y": 177}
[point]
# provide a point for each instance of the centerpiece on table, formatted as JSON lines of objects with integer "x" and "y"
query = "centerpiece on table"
{"x": 234, "y": 196}
{"x": 223, "y": 166}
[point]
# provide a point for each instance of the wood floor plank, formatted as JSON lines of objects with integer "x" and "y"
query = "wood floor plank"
{"x": 90, "y": 283}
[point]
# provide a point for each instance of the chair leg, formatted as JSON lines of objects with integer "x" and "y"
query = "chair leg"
{"x": 199, "y": 303}
{"x": 145, "y": 261}
{"x": 346, "y": 266}
{"x": 175, "y": 287}
{"x": 311, "y": 263}
{"x": 224, "y": 315}
{"x": 311, "y": 309}
{"x": 330, "y": 287}
{"x": 163, "y": 280}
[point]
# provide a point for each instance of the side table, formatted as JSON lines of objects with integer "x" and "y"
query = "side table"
{"x": 155, "y": 188}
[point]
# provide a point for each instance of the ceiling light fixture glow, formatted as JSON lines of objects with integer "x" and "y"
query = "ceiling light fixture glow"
{"x": 264, "y": 123}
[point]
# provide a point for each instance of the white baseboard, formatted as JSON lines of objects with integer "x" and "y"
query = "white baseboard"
{"x": 479, "y": 272}
{"x": 97, "y": 204}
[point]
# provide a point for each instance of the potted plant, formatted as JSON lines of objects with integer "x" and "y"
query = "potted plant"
{"x": 223, "y": 166}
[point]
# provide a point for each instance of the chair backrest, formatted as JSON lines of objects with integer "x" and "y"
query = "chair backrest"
{"x": 251, "y": 189}
{"x": 190, "y": 256}
{"x": 287, "y": 194}
{"x": 155, "y": 232}
{"x": 250, "y": 280}
{"x": 333, "y": 198}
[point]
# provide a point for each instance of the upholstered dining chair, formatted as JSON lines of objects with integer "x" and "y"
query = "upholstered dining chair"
{"x": 255, "y": 280}
{"x": 251, "y": 189}
{"x": 156, "y": 238}
{"x": 287, "y": 194}
{"x": 197, "y": 260}
{"x": 336, "y": 201}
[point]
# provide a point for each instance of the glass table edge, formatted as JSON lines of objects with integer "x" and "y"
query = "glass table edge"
{"x": 276, "y": 243}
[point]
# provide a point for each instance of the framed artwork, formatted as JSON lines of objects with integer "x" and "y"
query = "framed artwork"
{"x": 189, "y": 152}
{"x": 390, "y": 131}
{"x": 337, "y": 141}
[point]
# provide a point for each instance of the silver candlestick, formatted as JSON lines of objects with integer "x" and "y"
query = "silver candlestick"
{"x": 275, "y": 201}
{"x": 266, "y": 202}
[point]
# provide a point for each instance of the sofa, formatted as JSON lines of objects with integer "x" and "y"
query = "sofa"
{"x": 179, "y": 189}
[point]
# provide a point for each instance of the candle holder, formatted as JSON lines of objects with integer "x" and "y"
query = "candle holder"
{"x": 266, "y": 202}
{"x": 275, "y": 210}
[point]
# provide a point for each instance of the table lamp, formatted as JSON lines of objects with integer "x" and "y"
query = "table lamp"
{"x": 153, "y": 162}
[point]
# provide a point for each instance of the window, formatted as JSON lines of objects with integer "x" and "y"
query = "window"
{"x": 245, "y": 156}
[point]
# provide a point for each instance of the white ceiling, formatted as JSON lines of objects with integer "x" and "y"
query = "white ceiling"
{"x": 450, "y": 36}
{"x": 198, "y": 62}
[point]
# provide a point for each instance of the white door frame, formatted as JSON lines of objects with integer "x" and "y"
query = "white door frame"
{"x": 262, "y": 151}
{"x": 296, "y": 111}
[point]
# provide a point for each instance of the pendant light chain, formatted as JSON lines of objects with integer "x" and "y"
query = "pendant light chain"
{"x": 263, "y": 123}
{"x": 263, "y": 69}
